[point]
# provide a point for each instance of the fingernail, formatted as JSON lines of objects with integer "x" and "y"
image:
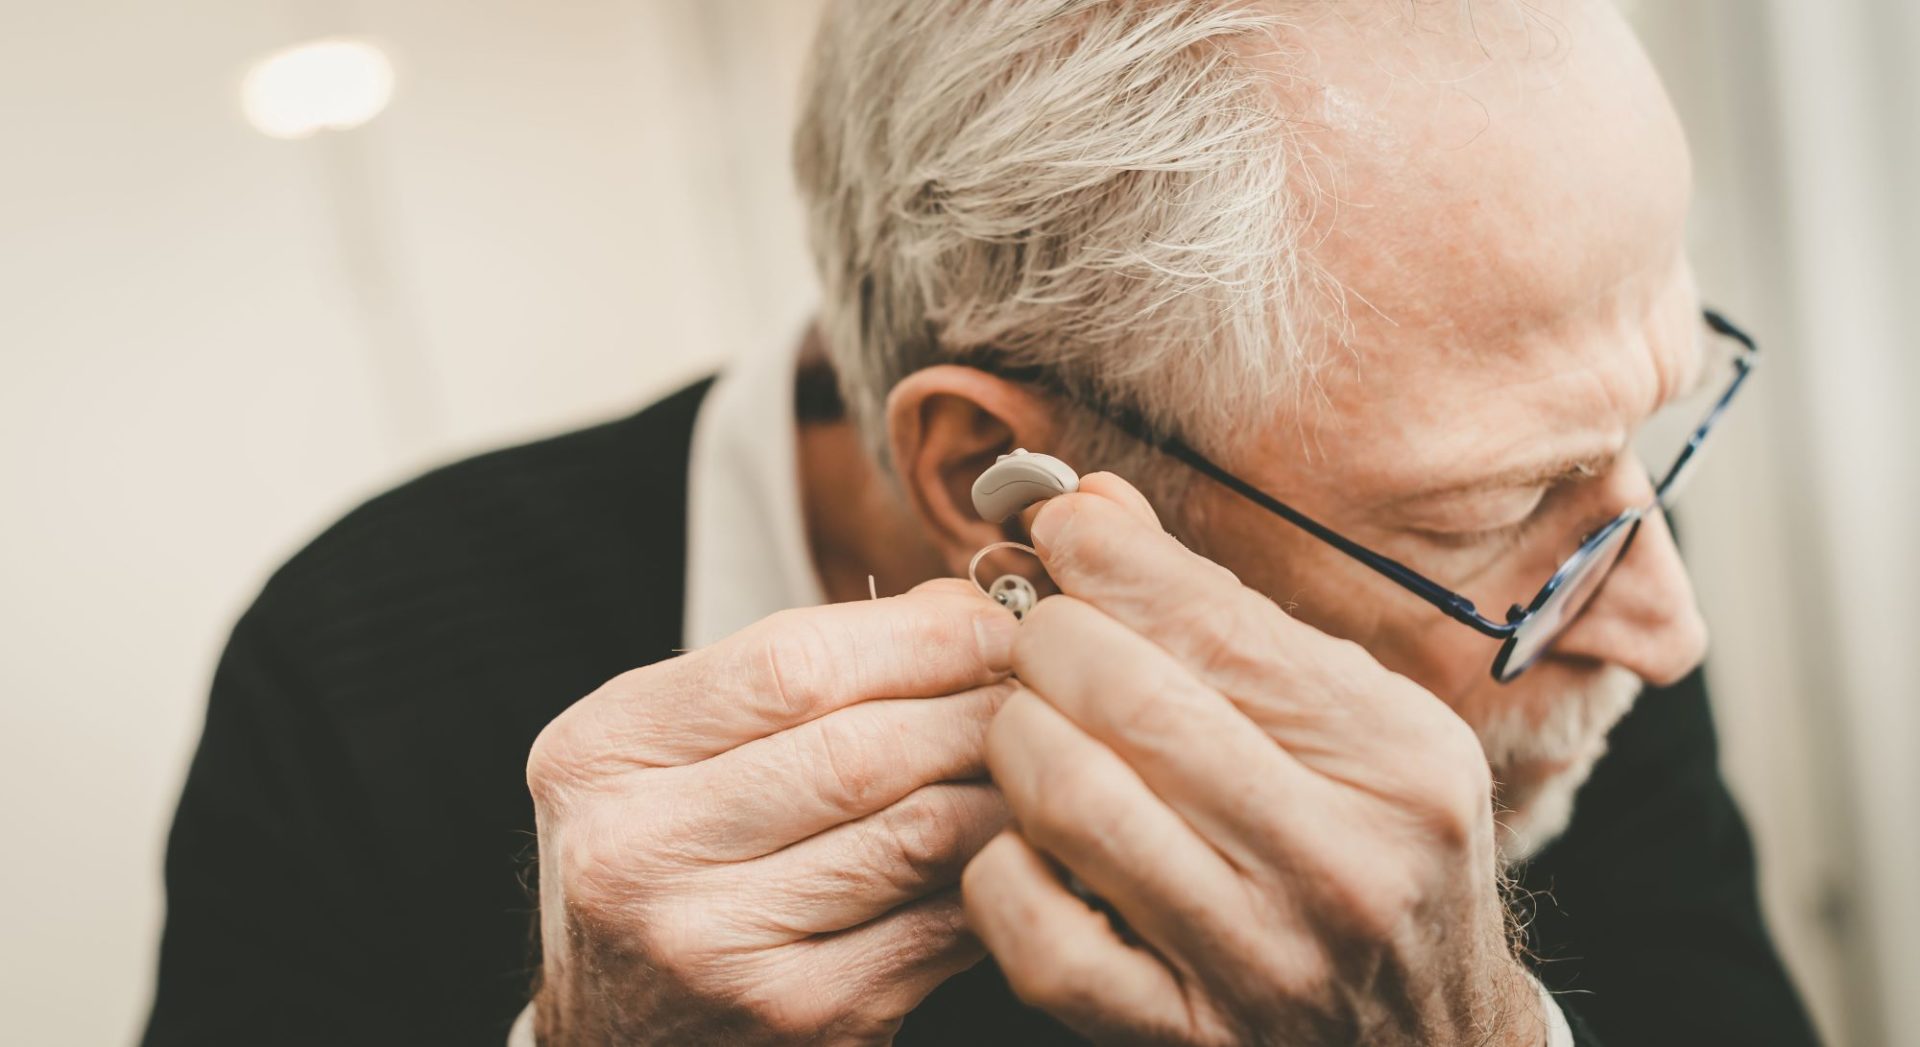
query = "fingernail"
{"x": 994, "y": 631}
{"x": 1045, "y": 526}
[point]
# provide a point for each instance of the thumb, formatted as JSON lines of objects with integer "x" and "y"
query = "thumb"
{"x": 1110, "y": 487}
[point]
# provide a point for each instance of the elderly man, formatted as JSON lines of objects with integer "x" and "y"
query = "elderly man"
{"x": 1369, "y": 302}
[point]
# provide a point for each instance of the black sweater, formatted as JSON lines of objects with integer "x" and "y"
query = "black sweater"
{"x": 349, "y": 860}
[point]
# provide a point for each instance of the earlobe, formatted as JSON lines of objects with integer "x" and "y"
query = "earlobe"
{"x": 946, "y": 425}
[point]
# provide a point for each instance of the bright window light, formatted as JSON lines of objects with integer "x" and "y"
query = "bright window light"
{"x": 330, "y": 85}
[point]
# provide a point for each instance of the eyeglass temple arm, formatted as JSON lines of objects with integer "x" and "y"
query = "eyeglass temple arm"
{"x": 1749, "y": 355}
{"x": 1450, "y": 603}
{"x": 1727, "y": 327}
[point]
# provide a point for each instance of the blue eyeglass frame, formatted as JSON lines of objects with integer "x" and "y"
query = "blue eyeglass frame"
{"x": 1448, "y": 602}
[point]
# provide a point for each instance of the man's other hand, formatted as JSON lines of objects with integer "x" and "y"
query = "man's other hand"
{"x": 761, "y": 841}
{"x": 1298, "y": 842}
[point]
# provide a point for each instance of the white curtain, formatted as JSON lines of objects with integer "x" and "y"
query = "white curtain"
{"x": 1805, "y": 120}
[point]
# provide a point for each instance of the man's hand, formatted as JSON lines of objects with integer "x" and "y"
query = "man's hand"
{"x": 1299, "y": 842}
{"x": 761, "y": 841}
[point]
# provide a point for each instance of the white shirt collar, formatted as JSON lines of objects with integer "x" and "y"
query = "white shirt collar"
{"x": 747, "y": 552}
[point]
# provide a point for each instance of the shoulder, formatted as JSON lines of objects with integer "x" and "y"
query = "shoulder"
{"x": 367, "y": 735}
{"x": 569, "y": 548}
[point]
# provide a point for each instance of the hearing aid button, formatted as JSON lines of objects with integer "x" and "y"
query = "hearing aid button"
{"x": 1018, "y": 480}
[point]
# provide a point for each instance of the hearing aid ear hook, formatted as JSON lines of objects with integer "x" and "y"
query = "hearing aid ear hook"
{"x": 1011, "y": 591}
{"x": 1011, "y": 484}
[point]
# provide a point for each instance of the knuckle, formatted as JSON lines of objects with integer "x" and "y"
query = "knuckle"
{"x": 550, "y": 773}
{"x": 1456, "y": 824}
{"x": 1218, "y": 582}
{"x": 597, "y": 738}
{"x": 1300, "y": 970}
{"x": 920, "y": 845}
{"x": 1346, "y": 665}
{"x": 1348, "y": 657}
{"x": 1310, "y": 973}
{"x": 619, "y": 856}
{"x": 1373, "y": 905}
{"x": 928, "y": 838}
{"x": 1074, "y": 785}
{"x": 851, "y": 758}
{"x": 597, "y": 864}
{"x": 986, "y": 702}
{"x": 637, "y": 690}
{"x": 977, "y": 879}
{"x": 1462, "y": 748}
{"x": 1155, "y": 712}
{"x": 1074, "y": 801}
{"x": 929, "y": 631}
{"x": 565, "y": 755}
{"x": 1230, "y": 637}
{"x": 786, "y": 1015}
{"x": 588, "y": 854}
{"x": 1057, "y": 980}
{"x": 1456, "y": 794}
{"x": 676, "y": 944}
{"x": 789, "y": 661}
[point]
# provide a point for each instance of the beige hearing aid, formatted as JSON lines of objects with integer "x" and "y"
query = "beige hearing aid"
{"x": 1009, "y": 485}
{"x": 1019, "y": 480}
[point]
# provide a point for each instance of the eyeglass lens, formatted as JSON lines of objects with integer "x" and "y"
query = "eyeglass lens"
{"x": 1671, "y": 439}
{"x": 1568, "y": 599}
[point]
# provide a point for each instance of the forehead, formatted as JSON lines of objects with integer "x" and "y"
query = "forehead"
{"x": 1503, "y": 201}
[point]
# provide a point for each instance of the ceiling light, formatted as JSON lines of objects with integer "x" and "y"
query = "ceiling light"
{"x": 323, "y": 85}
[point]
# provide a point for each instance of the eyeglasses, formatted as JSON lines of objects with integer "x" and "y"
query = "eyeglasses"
{"x": 1530, "y": 629}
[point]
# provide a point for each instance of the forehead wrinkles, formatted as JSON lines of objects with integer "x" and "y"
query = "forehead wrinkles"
{"x": 1576, "y": 388}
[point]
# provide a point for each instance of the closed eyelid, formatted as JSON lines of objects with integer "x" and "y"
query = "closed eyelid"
{"x": 1539, "y": 478}
{"x": 1546, "y": 495}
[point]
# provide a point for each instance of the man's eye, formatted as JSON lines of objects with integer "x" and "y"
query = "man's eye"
{"x": 1484, "y": 538}
{"x": 1523, "y": 512}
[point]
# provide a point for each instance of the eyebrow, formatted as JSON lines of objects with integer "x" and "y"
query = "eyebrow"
{"x": 1538, "y": 474}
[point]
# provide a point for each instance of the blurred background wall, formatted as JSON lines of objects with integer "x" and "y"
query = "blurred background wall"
{"x": 215, "y": 341}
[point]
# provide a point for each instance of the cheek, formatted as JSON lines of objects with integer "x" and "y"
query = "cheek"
{"x": 1455, "y": 664}
{"x": 1444, "y": 657}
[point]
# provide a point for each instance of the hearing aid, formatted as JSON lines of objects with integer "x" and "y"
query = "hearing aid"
{"x": 1010, "y": 484}
{"x": 1018, "y": 480}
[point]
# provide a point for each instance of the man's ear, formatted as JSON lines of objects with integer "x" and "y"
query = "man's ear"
{"x": 945, "y": 425}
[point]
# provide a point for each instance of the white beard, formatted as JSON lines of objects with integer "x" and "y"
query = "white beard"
{"x": 1574, "y": 729}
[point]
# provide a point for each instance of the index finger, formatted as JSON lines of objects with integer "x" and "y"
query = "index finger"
{"x": 1099, "y": 547}
{"x": 795, "y": 666}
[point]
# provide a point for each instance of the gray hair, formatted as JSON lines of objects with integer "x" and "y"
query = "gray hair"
{"x": 1104, "y": 189}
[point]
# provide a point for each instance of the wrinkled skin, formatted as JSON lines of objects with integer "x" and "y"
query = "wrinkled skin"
{"x": 1301, "y": 840}
{"x": 761, "y": 841}
{"x": 1285, "y": 810}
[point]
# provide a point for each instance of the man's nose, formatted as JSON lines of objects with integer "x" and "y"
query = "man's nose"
{"x": 1645, "y": 619}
